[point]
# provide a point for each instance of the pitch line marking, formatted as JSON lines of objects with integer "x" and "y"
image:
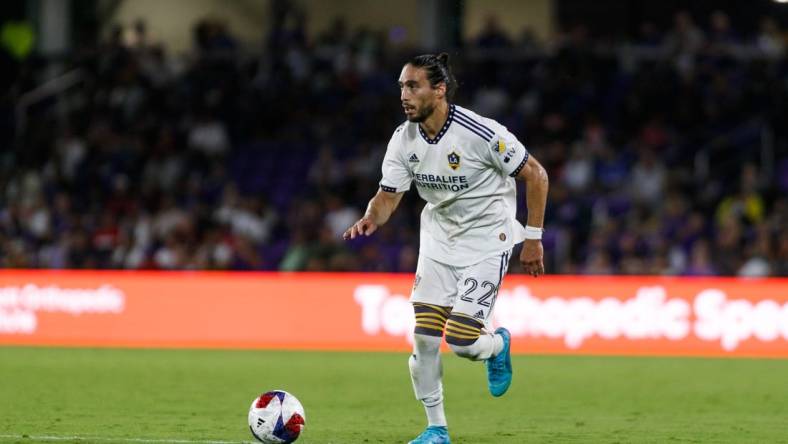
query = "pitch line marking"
{"x": 108, "y": 439}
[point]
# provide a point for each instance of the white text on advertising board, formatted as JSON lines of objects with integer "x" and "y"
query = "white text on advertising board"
{"x": 19, "y": 305}
{"x": 648, "y": 314}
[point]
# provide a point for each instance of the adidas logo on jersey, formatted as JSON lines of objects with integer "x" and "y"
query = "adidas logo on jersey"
{"x": 479, "y": 315}
{"x": 413, "y": 158}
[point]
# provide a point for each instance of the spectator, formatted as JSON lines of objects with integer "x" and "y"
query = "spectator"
{"x": 647, "y": 179}
{"x": 239, "y": 161}
{"x": 684, "y": 41}
{"x": 770, "y": 40}
{"x": 746, "y": 205}
{"x": 492, "y": 35}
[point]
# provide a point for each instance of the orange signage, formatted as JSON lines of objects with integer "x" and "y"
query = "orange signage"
{"x": 552, "y": 314}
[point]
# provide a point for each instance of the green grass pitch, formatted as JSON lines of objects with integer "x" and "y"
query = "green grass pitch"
{"x": 196, "y": 396}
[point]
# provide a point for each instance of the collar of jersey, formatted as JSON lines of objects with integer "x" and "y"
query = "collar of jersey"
{"x": 443, "y": 130}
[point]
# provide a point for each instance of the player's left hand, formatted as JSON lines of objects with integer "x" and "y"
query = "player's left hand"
{"x": 532, "y": 257}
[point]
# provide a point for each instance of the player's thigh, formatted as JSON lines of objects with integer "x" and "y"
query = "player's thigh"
{"x": 478, "y": 286}
{"x": 435, "y": 283}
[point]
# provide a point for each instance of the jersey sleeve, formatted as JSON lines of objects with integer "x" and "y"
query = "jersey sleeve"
{"x": 396, "y": 174}
{"x": 508, "y": 154}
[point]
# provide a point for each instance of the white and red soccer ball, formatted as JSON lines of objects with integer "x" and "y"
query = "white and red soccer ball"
{"x": 276, "y": 417}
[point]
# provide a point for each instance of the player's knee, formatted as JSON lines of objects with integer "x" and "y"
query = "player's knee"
{"x": 430, "y": 319}
{"x": 462, "y": 332}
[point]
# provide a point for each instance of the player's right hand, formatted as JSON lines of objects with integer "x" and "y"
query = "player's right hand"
{"x": 364, "y": 226}
{"x": 532, "y": 257}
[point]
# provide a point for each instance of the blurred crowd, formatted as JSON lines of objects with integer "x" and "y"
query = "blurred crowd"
{"x": 666, "y": 150}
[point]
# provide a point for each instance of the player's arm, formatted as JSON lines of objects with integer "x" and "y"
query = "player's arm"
{"x": 536, "y": 186}
{"x": 379, "y": 210}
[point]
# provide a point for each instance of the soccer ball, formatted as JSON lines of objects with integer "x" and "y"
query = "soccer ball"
{"x": 276, "y": 417}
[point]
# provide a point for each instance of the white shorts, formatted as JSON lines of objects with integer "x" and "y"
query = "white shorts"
{"x": 469, "y": 290}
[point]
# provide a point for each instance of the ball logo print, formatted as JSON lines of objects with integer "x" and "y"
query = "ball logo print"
{"x": 276, "y": 417}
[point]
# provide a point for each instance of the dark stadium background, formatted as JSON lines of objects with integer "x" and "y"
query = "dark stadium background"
{"x": 667, "y": 149}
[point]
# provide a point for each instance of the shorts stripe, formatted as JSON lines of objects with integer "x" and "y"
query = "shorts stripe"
{"x": 501, "y": 273}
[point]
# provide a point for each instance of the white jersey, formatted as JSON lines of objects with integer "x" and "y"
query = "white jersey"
{"x": 466, "y": 175}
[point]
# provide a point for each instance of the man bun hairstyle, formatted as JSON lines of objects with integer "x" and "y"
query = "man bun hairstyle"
{"x": 438, "y": 70}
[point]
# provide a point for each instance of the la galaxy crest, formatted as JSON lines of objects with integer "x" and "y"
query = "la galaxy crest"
{"x": 454, "y": 160}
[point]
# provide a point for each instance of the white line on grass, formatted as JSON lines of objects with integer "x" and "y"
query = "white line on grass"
{"x": 108, "y": 439}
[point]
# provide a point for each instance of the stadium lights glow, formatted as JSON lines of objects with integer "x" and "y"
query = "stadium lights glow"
{"x": 780, "y": 1}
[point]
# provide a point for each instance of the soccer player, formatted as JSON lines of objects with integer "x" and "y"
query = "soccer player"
{"x": 464, "y": 165}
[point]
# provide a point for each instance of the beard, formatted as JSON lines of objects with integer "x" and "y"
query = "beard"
{"x": 422, "y": 114}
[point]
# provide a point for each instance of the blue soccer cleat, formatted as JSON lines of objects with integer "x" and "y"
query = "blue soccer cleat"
{"x": 499, "y": 368}
{"x": 433, "y": 435}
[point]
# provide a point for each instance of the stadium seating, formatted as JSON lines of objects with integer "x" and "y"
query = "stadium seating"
{"x": 666, "y": 155}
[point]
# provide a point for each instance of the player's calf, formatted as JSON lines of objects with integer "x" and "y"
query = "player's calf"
{"x": 425, "y": 363}
{"x": 425, "y": 370}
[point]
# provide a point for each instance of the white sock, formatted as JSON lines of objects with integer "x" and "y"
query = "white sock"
{"x": 436, "y": 415}
{"x": 485, "y": 347}
{"x": 497, "y": 345}
{"x": 425, "y": 373}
